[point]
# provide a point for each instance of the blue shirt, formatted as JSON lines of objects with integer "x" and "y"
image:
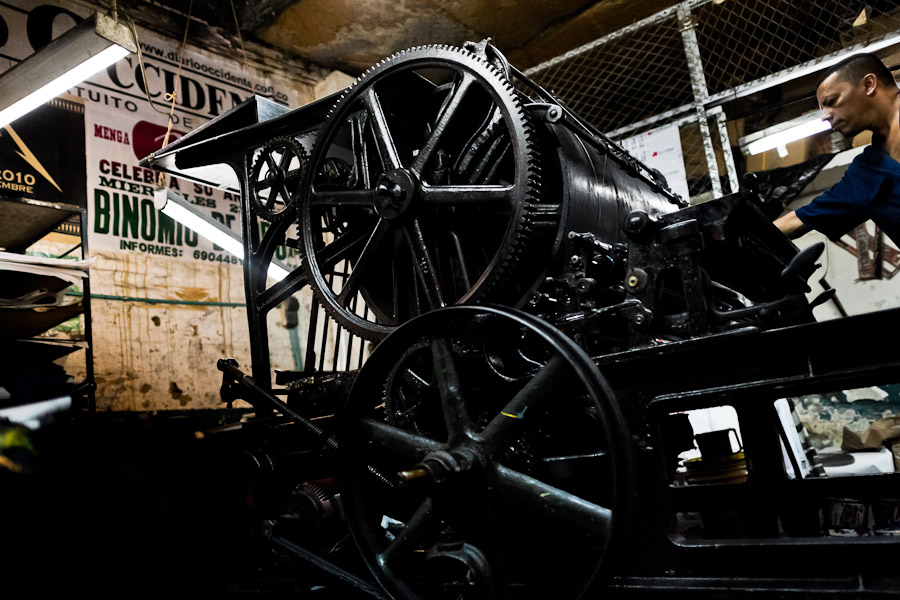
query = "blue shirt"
{"x": 869, "y": 189}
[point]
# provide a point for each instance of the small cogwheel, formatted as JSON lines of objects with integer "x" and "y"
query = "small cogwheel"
{"x": 276, "y": 175}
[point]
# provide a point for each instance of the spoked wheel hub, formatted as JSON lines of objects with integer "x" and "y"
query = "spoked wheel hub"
{"x": 423, "y": 191}
{"x": 508, "y": 454}
{"x": 395, "y": 192}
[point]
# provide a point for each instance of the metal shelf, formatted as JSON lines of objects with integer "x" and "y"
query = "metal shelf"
{"x": 18, "y": 323}
{"x": 26, "y": 221}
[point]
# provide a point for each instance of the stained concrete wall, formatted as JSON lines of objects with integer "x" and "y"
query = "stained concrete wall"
{"x": 163, "y": 356}
{"x": 161, "y": 323}
{"x": 153, "y": 356}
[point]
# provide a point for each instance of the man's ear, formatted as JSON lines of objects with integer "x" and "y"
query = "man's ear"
{"x": 870, "y": 83}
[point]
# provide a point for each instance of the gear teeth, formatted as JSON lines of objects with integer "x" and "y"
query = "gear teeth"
{"x": 363, "y": 332}
{"x": 286, "y": 142}
{"x": 517, "y": 254}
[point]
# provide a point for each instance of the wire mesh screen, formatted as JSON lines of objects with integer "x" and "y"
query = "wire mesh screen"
{"x": 743, "y": 41}
{"x": 639, "y": 77}
{"x": 624, "y": 79}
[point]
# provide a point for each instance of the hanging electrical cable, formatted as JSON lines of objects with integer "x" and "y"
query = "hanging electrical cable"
{"x": 237, "y": 27}
{"x": 172, "y": 96}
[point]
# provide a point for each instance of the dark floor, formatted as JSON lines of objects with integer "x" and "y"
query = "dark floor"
{"x": 128, "y": 506}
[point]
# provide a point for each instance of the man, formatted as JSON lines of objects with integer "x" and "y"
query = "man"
{"x": 855, "y": 95}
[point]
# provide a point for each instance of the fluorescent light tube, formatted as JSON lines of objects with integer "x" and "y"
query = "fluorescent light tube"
{"x": 30, "y": 415}
{"x": 63, "y": 83}
{"x": 792, "y": 134}
{"x": 204, "y": 228}
{"x": 184, "y": 212}
{"x": 79, "y": 53}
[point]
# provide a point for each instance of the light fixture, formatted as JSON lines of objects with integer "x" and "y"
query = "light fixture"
{"x": 79, "y": 53}
{"x": 177, "y": 207}
{"x": 34, "y": 414}
{"x": 779, "y": 136}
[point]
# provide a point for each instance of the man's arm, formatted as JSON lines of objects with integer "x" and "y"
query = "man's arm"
{"x": 791, "y": 225}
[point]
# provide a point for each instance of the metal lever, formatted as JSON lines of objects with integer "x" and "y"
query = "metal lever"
{"x": 823, "y": 298}
{"x": 229, "y": 366}
{"x": 802, "y": 266}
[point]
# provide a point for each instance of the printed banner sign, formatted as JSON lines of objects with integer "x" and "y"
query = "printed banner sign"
{"x": 121, "y": 127}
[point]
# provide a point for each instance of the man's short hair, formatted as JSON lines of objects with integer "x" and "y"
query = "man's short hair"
{"x": 854, "y": 68}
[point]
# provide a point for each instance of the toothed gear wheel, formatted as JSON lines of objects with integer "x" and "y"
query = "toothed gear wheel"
{"x": 423, "y": 191}
{"x": 276, "y": 175}
{"x": 479, "y": 455}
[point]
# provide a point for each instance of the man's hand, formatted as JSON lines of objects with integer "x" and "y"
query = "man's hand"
{"x": 791, "y": 225}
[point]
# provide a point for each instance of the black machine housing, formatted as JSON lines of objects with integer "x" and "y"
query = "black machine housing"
{"x": 490, "y": 254}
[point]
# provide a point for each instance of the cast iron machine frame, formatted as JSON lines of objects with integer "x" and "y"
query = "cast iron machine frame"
{"x": 560, "y": 300}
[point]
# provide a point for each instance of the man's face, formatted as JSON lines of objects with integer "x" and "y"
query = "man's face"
{"x": 843, "y": 104}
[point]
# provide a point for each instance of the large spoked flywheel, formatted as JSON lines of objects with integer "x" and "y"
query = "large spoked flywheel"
{"x": 507, "y": 452}
{"x": 421, "y": 186}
